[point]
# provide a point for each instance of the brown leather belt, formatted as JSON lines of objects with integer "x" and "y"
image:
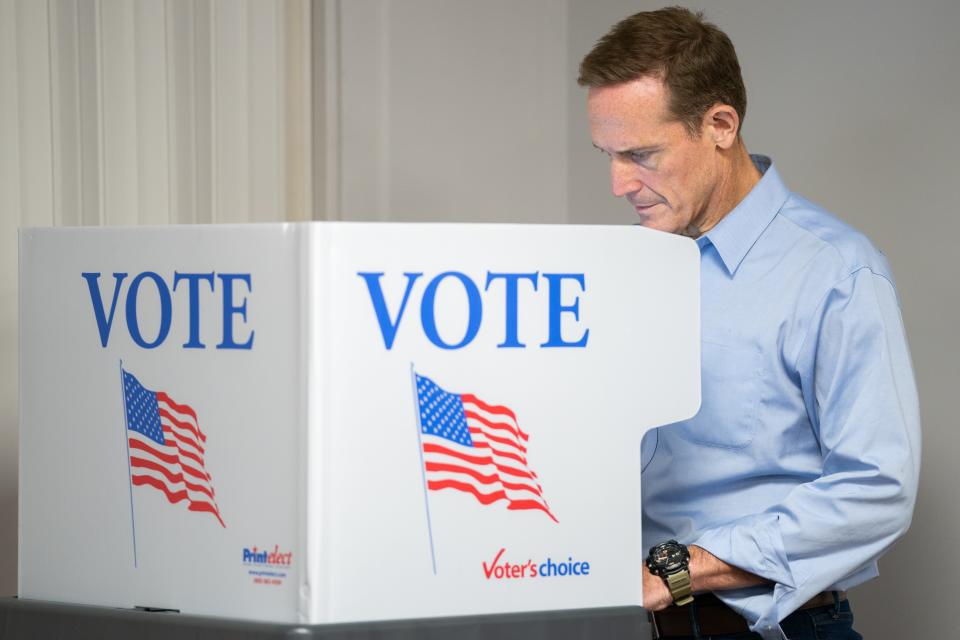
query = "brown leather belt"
{"x": 714, "y": 617}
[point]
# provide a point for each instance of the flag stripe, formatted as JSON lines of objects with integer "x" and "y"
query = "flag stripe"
{"x": 194, "y": 494}
{"x": 164, "y": 414}
{"x": 479, "y": 477}
{"x": 518, "y": 505}
{"x": 480, "y": 442}
{"x": 170, "y": 459}
{"x": 500, "y": 452}
{"x": 494, "y": 417}
{"x": 142, "y": 446}
{"x": 497, "y": 409}
{"x": 185, "y": 418}
{"x": 457, "y": 472}
{"x": 173, "y": 496}
{"x": 522, "y": 487}
{"x": 172, "y": 476}
{"x": 497, "y": 439}
{"x": 209, "y": 508}
{"x": 497, "y": 426}
{"x": 429, "y": 447}
{"x": 195, "y": 473}
{"x": 511, "y": 491}
{"x": 470, "y": 471}
{"x": 182, "y": 409}
{"x": 174, "y": 440}
{"x": 184, "y": 437}
{"x": 177, "y": 496}
{"x": 184, "y": 453}
{"x": 484, "y": 498}
{"x": 488, "y": 498}
{"x": 483, "y": 460}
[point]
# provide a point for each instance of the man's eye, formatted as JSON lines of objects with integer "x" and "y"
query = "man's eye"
{"x": 640, "y": 158}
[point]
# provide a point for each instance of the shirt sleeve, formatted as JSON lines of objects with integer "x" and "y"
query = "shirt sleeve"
{"x": 858, "y": 386}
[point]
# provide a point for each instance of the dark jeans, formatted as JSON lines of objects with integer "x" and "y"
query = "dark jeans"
{"x": 822, "y": 623}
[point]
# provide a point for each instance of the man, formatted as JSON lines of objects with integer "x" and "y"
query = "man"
{"x": 801, "y": 468}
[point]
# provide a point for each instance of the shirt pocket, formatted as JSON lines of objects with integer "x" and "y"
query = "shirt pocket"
{"x": 731, "y": 386}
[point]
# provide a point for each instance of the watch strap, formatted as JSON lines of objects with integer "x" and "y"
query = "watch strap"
{"x": 679, "y": 585}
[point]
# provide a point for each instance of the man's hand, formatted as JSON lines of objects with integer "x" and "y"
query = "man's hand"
{"x": 656, "y": 596}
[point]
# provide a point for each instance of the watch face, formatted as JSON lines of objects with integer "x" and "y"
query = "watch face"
{"x": 669, "y": 557}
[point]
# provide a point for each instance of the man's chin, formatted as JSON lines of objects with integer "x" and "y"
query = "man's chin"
{"x": 657, "y": 224}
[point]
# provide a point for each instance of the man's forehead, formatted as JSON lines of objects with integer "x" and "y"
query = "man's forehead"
{"x": 629, "y": 116}
{"x": 647, "y": 90}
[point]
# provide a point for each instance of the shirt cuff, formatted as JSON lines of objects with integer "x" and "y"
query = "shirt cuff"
{"x": 753, "y": 544}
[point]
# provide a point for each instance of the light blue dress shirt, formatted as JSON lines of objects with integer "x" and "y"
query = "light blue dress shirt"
{"x": 802, "y": 464}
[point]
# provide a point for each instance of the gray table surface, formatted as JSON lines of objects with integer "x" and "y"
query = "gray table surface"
{"x": 36, "y": 620}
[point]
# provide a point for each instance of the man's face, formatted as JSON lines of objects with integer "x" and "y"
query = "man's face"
{"x": 668, "y": 176}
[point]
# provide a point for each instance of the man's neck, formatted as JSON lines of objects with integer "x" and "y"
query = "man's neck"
{"x": 738, "y": 177}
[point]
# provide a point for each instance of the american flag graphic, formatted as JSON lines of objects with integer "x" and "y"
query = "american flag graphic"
{"x": 475, "y": 447}
{"x": 167, "y": 447}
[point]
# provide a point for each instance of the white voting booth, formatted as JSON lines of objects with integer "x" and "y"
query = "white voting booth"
{"x": 334, "y": 422}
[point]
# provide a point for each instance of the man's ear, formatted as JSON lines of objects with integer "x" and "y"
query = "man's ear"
{"x": 722, "y": 124}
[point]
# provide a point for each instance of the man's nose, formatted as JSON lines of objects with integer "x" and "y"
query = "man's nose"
{"x": 623, "y": 178}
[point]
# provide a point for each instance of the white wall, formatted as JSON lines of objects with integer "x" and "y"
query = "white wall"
{"x": 452, "y": 110}
{"x": 142, "y": 112}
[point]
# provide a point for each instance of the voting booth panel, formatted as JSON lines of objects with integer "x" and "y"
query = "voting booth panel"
{"x": 332, "y": 422}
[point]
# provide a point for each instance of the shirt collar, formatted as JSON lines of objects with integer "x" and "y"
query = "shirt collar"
{"x": 740, "y": 229}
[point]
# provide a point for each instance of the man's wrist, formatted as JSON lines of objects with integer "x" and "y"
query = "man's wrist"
{"x": 656, "y": 596}
{"x": 679, "y": 586}
{"x": 695, "y": 565}
{"x": 710, "y": 573}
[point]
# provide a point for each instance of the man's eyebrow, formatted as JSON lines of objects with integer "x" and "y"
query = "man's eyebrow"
{"x": 651, "y": 148}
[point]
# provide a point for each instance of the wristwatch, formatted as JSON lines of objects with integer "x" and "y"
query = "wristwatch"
{"x": 671, "y": 561}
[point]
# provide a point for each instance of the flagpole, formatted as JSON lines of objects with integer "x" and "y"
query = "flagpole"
{"x": 423, "y": 472}
{"x": 126, "y": 441}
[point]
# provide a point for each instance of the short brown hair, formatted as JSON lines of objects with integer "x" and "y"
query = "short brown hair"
{"x": 695, "y": 59}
